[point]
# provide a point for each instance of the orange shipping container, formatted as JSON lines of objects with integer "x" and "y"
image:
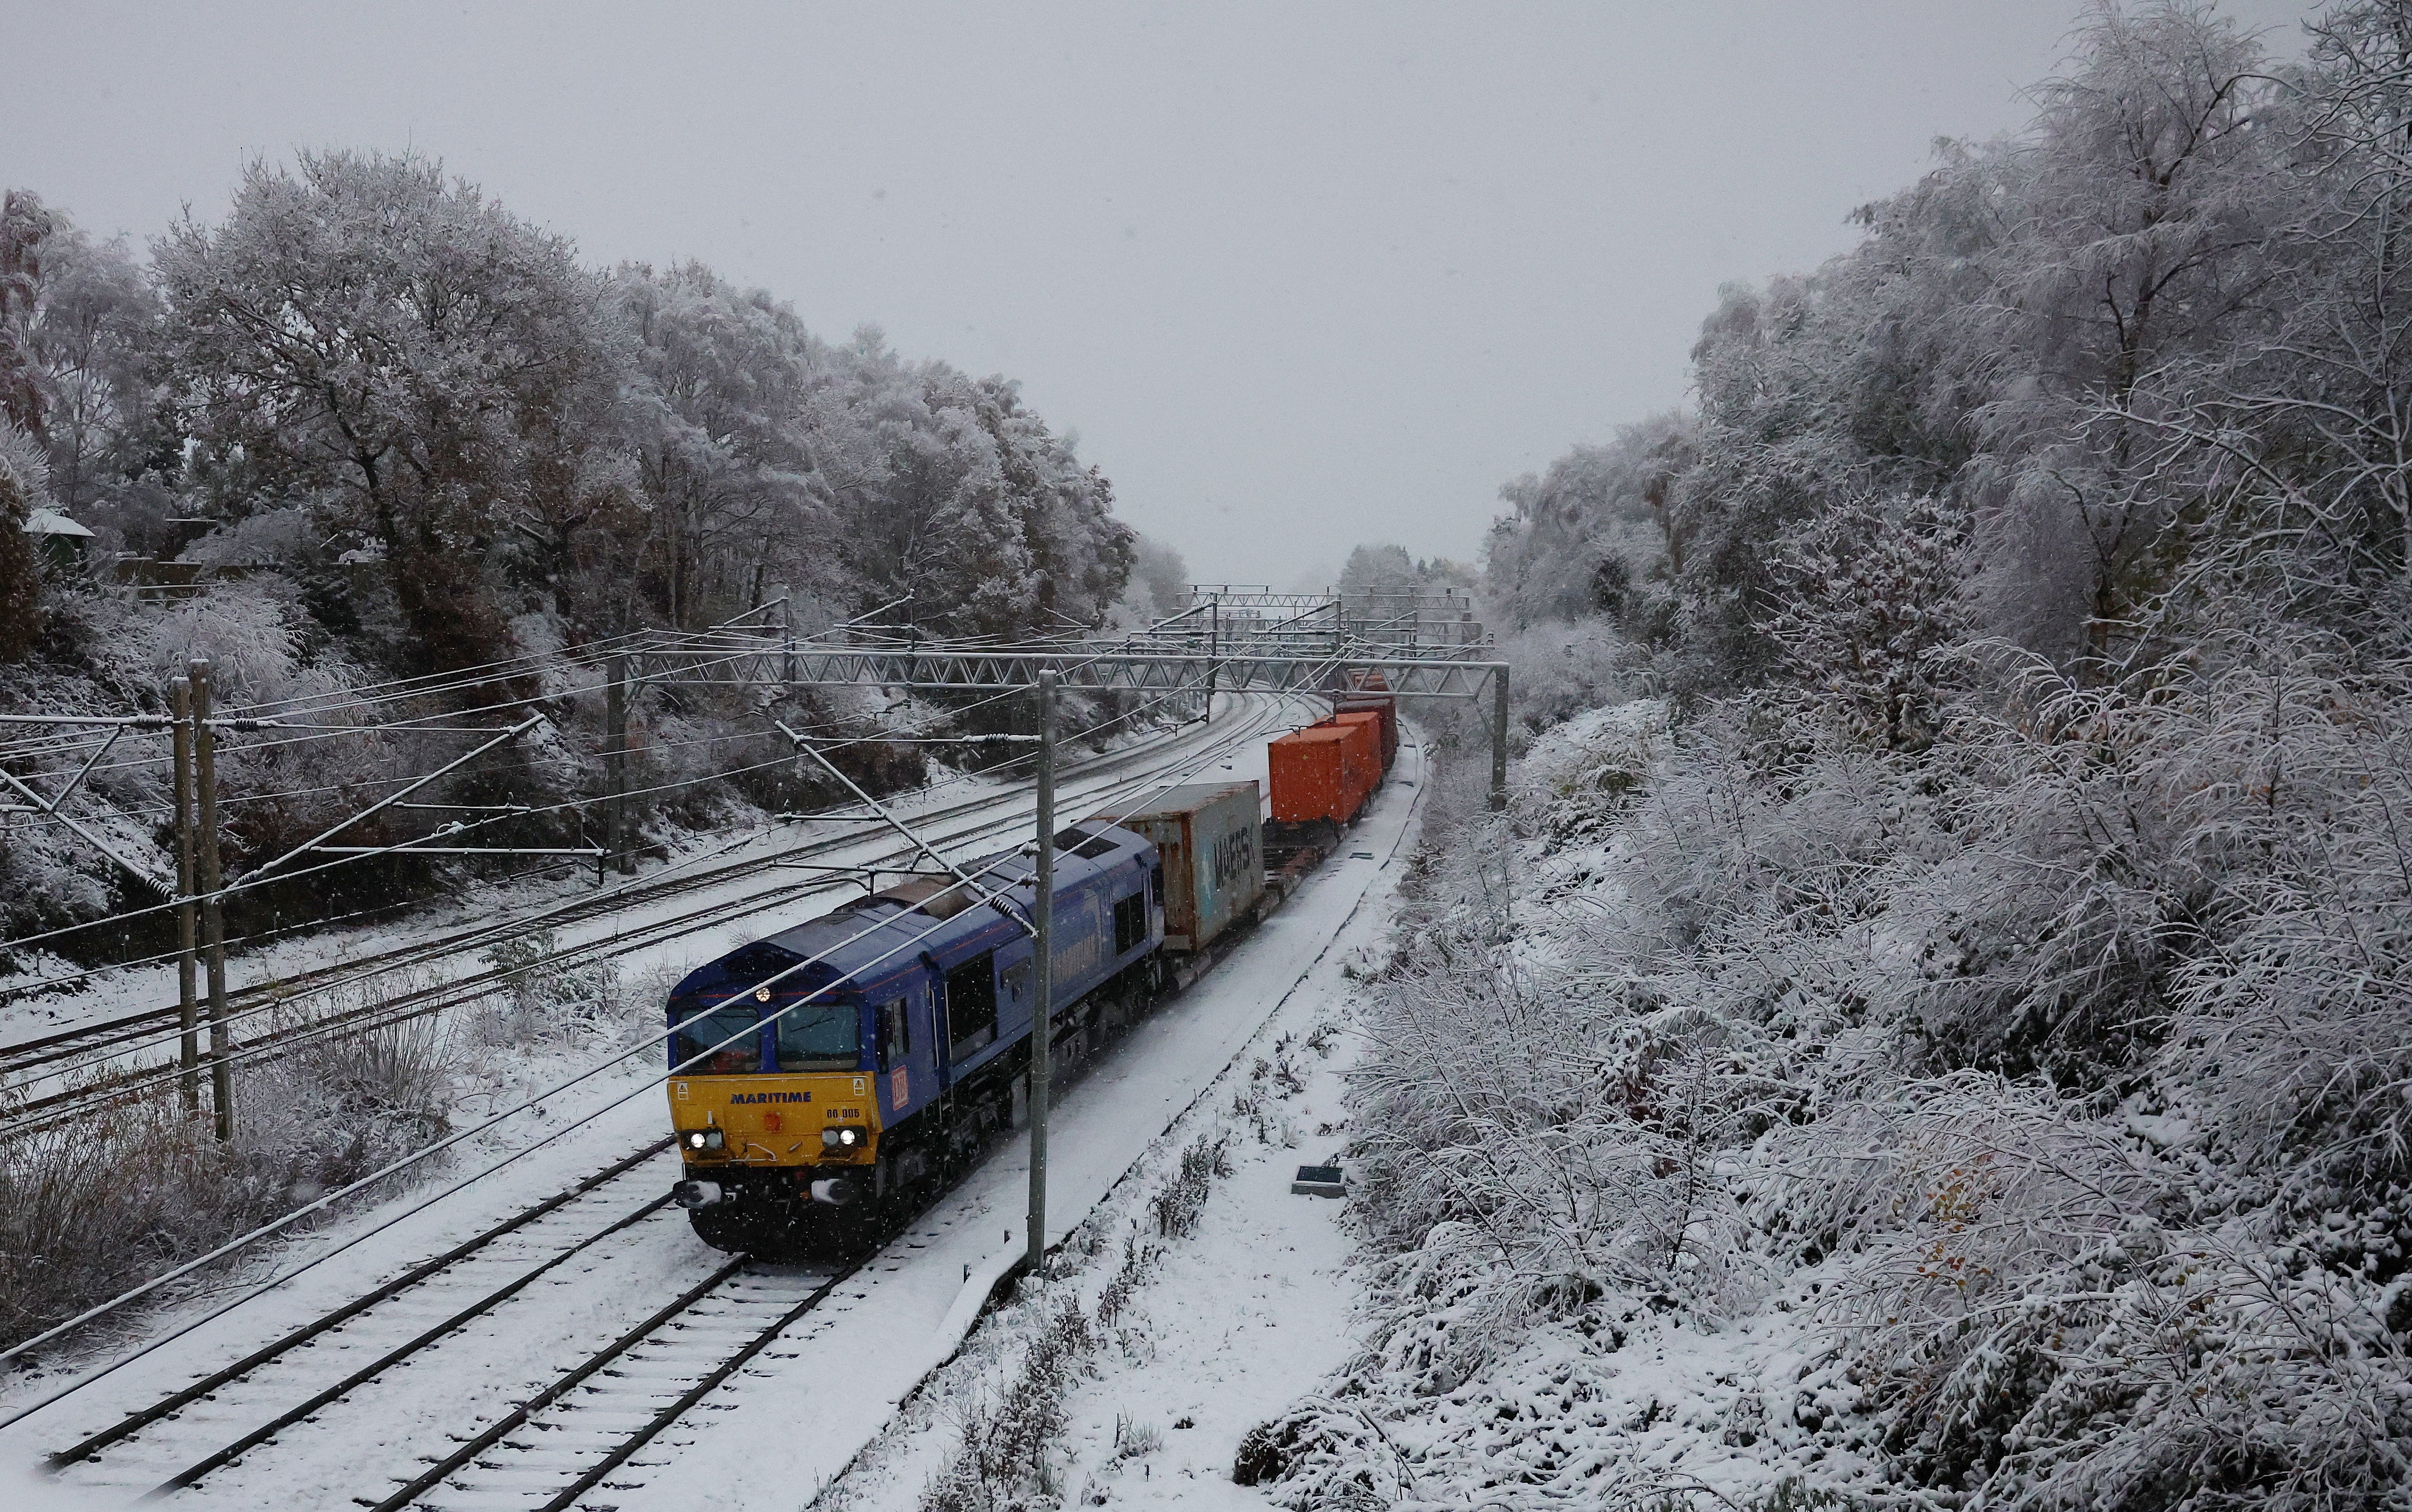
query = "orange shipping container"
{"x": 1373, "y": 723}
{"x": 1361, "y": 757}
{"x": 1378, "y": 703}
{"x": 1309, "y": 768}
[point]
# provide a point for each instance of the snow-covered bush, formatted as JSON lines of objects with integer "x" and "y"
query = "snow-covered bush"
{"x": 541, "y": 999}
{"x": 91, "y": 1208}
{"x": 2049, "y": 1079}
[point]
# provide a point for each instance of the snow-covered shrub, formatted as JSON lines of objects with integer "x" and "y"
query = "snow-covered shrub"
{"x": 1177, "y": 1204}
{"x": 1577, "y": 775}
{"x": 2065, "y": 1057}
{"x": 342, "y": 1105}
{"x": 1557, "y": 671}
{"x": 1006, "y": 1438}
{"x": 99, "y": 1205}
{"x": 22, "y": 475}
{"x": 543, "y": 999}
{"x": 93, "y": 1207}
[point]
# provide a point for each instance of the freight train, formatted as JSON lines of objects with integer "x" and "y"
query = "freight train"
{"x": 828, "y": 1077}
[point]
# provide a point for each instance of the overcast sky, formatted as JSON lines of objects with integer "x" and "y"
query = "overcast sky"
{"x": 1299, "y": 276}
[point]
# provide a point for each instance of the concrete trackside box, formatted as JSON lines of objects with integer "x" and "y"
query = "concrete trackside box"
{"x": 1211, "y": 839}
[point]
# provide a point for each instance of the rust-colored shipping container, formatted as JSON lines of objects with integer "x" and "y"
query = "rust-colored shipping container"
{"x": 1373, "y": 724}
{"x": 1375, "y": 703}
{"x": 1361, "y": 758}
{"x": 1371, "y": 690}
{"x": 1208, "y": 838}
{"x": 1310, "y": 773}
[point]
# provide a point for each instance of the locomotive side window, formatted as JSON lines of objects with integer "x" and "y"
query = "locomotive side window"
{"x": 971, "y": 1005}
{"x": 821, "y": 1036}
{"x": 895, "y": 1033}
{"x": 1130, "y": 922}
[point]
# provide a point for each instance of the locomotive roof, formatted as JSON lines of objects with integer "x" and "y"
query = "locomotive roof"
{"x": 874, "y": 938}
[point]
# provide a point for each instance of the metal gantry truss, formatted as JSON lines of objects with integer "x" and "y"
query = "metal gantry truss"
{"x": 1235, "y": 641}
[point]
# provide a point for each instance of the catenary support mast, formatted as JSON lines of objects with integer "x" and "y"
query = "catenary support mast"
{"x": 189, "y": 1049}
{"x": 1042, "y": 974}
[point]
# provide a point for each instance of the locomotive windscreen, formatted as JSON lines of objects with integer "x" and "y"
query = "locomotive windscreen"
{"x": 707, "y": 993}
{"x": 697, "y": 1036}
{"x": 821, "y": 1036}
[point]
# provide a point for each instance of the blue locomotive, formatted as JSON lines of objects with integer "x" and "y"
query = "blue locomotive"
{"x": 906, "y": 1044}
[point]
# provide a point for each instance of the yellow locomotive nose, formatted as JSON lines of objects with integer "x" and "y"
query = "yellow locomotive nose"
{"x": 767, "y": 1122}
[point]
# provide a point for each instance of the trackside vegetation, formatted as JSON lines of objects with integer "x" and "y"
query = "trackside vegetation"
{"x": 1936, "y": 1029}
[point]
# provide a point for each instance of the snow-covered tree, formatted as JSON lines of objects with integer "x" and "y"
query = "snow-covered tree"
{"x": 392, "y": 351}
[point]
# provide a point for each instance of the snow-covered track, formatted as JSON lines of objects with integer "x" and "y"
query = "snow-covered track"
{"x": 563, "y": 1441}
{"x": 27, "y": 1114}
{"x": 550, "y": 1234}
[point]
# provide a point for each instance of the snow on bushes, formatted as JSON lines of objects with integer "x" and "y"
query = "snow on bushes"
{"x": 93, "y": 1207}
{"x": 2020, "y": 1120}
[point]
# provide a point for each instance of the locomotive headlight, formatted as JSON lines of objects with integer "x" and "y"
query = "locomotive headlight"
{"x": 842, "y": 1140}
{"x": 709, "y": 1140}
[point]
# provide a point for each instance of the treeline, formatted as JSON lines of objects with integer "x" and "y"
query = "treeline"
{"x": 1976, "y": 956}
{"x": 365, "y": 357}
{"x": 396, "y": 432}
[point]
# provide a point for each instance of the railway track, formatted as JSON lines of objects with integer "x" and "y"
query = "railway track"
{"x": 55, "y": 1058}
{"x": 303, "y": 1373}
{"x": 552, "y": 1449}
{"x": 535, "y": 1432}
{"x": 555, "y": 1440}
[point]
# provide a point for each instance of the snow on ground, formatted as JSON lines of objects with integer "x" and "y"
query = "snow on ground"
{"x": 1227, "y": 1326}
{"x": 907, "y": 1313}
{"x": 901, "y": 1315}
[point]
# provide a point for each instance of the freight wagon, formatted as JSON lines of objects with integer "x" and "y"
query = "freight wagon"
{"x": 1209, "y": 844}
{"x": 1310, "y": 773}
{"x": 1367, "y": 693}
{"x": 1370, "y": 761}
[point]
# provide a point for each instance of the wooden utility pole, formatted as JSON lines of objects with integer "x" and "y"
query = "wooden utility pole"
{"x": 188, "y": 1052}
{"x": 615, "y": 766}
{"x": 205, "y": 784}
{"x": 1042, "y": 974}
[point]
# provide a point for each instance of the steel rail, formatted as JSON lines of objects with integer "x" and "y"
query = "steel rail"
{"x": 425, "y": 1338}
{"x": 628, "y": 1447}
{"x": 132, "y": 1028}
{"x": 135, "y": 1422}
{"x": 512, "y": 1421}
{"x": 569, "y": 911}
{"x": 13, "y": 1057}
{"x": 627, "y": 1444}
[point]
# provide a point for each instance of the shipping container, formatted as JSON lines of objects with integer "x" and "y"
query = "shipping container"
{"x": 1373, "y": 723}
{"x": 1360, "y": 756}
{"x": 1310, "y": 774}
{"x": 1208, "y": 836}
{"x": 1373, "y": 703}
